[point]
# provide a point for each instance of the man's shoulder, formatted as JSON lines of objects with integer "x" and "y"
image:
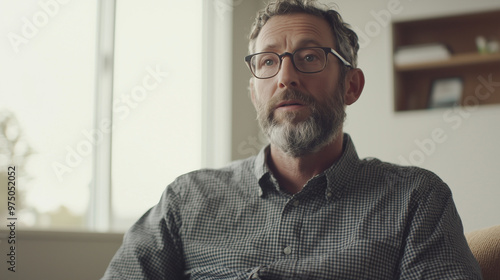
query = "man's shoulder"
{"x": 403, "y": 175}
{"x": 393, "y": 168}
{"x": 215, "y": 179}
{"x": 232, "y": 169}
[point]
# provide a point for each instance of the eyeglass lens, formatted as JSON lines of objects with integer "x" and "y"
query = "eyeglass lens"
{"x": 307, "y": 60}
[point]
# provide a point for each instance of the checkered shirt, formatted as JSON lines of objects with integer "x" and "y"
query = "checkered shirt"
{"x": 359, "y": 219}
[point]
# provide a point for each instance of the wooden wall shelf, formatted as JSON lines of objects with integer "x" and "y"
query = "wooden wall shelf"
{"x": 412, "y": 82}
{"x": 454, "y": 61}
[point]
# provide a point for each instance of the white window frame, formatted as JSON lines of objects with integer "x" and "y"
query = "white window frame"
{"x": 217, "y": 82}
{"x": 99, "y": 216}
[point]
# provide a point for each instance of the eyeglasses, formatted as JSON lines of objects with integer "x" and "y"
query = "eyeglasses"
{"x": 265, "y": 65}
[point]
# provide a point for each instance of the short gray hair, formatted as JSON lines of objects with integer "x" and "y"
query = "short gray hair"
{"x": 346, "y": 40}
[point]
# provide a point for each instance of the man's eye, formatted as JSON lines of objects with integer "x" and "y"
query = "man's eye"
{"x": 310, "y": 58}
{"x": 268, "y": 62}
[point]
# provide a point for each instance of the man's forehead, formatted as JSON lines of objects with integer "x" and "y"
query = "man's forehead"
{"x": 301, "y": 30}
{"x": 302, "y": 42}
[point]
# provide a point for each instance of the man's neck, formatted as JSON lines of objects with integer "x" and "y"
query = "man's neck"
{"x": 293, "y": 173}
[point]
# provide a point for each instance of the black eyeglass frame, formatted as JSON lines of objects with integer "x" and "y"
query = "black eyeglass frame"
{"x": 327, "y": 51}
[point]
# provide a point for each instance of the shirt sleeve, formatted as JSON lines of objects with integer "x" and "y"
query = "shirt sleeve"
{"x": 435, "y": 246}
{"x": 151, "y": 248}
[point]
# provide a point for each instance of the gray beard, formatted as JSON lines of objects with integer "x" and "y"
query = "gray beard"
{"x": 298, "y": 139}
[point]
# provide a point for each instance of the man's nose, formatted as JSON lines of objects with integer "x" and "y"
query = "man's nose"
{"x": 288, "y": 76}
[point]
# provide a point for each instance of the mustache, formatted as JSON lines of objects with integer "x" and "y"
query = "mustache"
{"x": 291, "y": 94}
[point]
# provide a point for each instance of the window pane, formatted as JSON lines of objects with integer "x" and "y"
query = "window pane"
{"x": 46, "y": 102}
{"x": 157, "y": 109}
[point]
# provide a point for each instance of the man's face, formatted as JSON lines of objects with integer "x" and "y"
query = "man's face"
{"x": 299, "y": 112}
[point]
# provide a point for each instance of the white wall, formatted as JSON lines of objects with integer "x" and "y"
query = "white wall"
{"x": 468, "y": 158}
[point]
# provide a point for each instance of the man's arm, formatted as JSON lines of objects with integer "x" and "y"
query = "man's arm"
{"x": 435, "y": 246}
{"x": 151, "y": 248}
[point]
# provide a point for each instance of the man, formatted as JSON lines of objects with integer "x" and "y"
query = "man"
{"x": 306, "y": 207}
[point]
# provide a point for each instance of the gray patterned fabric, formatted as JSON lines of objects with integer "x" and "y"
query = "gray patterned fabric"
{"x": 360, "y": 219}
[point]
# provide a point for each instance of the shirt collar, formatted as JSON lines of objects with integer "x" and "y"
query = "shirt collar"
{"x": 337, "y": 175}
{"x": 261, "y": 171}
{"x": 260, "y": 166}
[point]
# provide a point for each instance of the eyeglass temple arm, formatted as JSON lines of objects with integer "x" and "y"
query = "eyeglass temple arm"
{"x": 335, "y": 53}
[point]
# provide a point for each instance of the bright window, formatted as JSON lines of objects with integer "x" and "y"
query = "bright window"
{"x": 47, "y": 99}
{"x": 90, "y": 165}
{"x": 157, "y": 101}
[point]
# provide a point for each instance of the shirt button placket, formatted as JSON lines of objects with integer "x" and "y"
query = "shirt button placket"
{"x": 291, "y": 217}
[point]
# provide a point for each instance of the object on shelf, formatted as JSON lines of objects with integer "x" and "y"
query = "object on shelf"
{"x": 446, "y": 92}
{"x": 487, "y": 46}
{"x": 481, "y": 44}
{"x": 420, "y": 54}
{"x": 493, "y": 46}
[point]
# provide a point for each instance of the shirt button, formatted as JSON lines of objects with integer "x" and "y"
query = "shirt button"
{"x": 296, "y": 203}
{"x": 287, "y": 250}
{"x": 329, "y": 194}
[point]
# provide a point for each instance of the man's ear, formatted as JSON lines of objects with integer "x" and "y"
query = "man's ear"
{"x": 354, "y": 83}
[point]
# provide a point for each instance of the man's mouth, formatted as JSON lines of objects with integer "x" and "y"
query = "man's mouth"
{"x": 289, "y": 103}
